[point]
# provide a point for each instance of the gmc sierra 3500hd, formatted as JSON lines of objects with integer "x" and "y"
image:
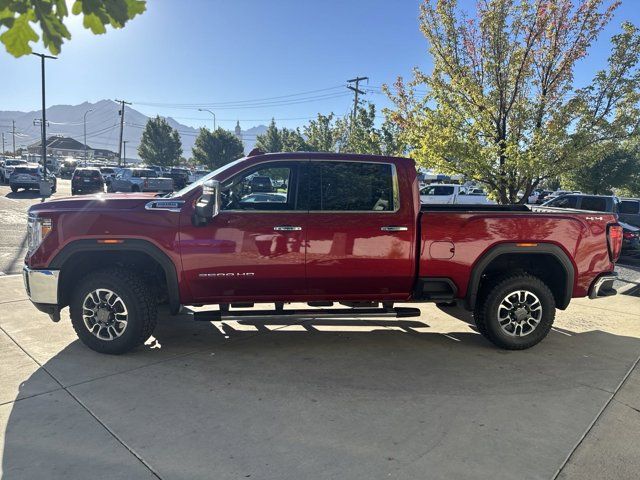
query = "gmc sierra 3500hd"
{"x": 333, "y": 228}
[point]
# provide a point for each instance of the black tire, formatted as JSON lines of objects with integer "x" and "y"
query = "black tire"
{"x": 136, "y": 296}
{"x": 73, "y": 192}
{"x": 14, "y": 189}
{"x": 135, "y": 188}
{"x": 486, "y": 312}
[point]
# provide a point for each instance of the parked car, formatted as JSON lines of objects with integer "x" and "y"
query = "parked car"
{"x": 261, "y": 184}
{"x": 180, "y": 177}
{"x": 29, "y": 177}
{"x": 356, "y": 235}
{"x": 140, "y": 180}
{"x": 68, "y": 167}
{"x": 538, "y": 197}
{"x": 87, "y": 180}
{"x": 6, "y": 168}
{"x": 264, "y": 198}
{"x": 630, "y": 237}
{"x": 629, "y": 211}
{"x": 442, "y": 193}
{"x": 197, "y": 174}
{"x": 594, "y": 203}
{"x": 108, "y": 173}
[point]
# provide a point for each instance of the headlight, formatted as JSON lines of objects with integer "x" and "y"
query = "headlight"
{"x": 37, "y": 230}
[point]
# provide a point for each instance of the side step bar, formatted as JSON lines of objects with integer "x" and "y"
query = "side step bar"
{"x": 397, "y": 312}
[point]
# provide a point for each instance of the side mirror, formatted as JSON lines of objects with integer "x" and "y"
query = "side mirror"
{"x": 208, "y": 205}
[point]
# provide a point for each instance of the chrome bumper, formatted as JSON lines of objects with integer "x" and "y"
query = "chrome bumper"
{"x": 41, "y": 285}
{"x": 603, "y": 286}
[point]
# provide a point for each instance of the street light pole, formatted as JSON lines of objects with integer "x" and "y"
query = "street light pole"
{"x": 214, "y": 115}
{"x": 85, "y": 135}
{"x": 44, "y": 112}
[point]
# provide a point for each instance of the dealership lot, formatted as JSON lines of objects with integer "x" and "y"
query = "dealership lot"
{"x": 311, "y": 398}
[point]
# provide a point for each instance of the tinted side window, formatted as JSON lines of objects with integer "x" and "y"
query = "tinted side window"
{"x": 351, "y": 186}
{"x": 629, "y": 206}
{"x": 564, "y": 202}
{"x": 597, "y": 204}
{"x": 269, "y": 187}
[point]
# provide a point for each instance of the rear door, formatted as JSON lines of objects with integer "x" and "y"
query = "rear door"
{"x": 360, "y": 233}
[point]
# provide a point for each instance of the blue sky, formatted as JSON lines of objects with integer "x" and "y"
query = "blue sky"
{"x": 214, "y": 51}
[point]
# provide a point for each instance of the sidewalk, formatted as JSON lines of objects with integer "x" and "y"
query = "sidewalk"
{"x": 417, "y": 398}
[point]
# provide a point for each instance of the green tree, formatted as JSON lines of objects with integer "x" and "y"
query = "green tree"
{"x": 217, "y": 148}
{"x": 18, "y": 16}
{"x": 500, "y": 105}
{"x": 617, "y": 169}
{"x": 359, "y": 135}
{"x": 271, "y": 140}
{"x": 320, "y": 134}
{"x": 160, "y": 143}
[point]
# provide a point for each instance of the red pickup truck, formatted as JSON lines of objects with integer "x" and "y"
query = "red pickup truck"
{"x": 327, "y": 228}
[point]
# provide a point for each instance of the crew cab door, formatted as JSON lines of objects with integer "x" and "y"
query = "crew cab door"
{"x": 254, "y": 248}
{"x": 360, "y": 233}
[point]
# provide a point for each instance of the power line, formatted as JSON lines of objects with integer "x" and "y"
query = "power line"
{"x": 236, "y": 102}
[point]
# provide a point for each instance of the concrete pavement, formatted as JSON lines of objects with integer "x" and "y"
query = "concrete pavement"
{"x": 419, "y": 398}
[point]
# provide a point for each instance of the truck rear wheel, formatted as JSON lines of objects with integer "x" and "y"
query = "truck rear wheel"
{"x": 113, "y": 311}
{"x": 516, "y": 312}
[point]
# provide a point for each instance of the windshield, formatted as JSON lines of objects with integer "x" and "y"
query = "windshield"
{"x": 199, "y": 182}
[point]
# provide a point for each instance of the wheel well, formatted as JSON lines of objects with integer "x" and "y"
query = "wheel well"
{"x": 81, "y": 263}
{"x": 546, "y": 266}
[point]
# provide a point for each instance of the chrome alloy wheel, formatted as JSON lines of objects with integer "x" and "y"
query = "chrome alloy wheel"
{"x": 104, "y": 314}
{"x": 519, "y": 313}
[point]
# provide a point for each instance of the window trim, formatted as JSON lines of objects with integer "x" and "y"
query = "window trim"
{"x": 302, "y": 163}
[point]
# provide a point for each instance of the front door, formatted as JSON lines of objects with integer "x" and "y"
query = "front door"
{"x": 254, "y": 248}
{"x": 360, "y": 239}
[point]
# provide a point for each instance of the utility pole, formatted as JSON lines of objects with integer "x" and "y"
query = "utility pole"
{"x": 44, "y": 113}
{"x": 13, "y": 123}
{"x": 356, "y": 91}
{"x": 85, "y": 135}
{"x": 122, "y": 104}
{"x": 124, "y": 151}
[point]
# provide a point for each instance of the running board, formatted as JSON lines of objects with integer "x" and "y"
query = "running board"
{"x": 397, "y": 312}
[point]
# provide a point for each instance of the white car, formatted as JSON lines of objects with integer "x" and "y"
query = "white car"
{"x": 448, "y": 194}
{"x": 7, "y": 167}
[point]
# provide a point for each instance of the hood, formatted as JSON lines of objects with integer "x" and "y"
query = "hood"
{"x": 99, "y": 201}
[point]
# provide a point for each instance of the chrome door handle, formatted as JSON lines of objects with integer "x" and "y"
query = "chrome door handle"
{"x": 286, "y": 228}
{"x": 394, "y": 228}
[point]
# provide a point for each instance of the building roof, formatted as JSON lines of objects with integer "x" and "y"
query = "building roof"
{"x": 62, "y": 143}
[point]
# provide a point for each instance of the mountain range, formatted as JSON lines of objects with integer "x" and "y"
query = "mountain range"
{"x": 103, "y": 127}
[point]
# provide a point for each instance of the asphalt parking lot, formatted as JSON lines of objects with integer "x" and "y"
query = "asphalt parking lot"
{"x": 348, "y": 399}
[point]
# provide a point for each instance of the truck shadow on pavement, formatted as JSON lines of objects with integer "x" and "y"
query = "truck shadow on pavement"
{"x": 307, "y": 399}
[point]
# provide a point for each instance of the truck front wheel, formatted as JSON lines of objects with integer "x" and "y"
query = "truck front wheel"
{"x": 515, "y": 312}
{"x": 113, "y": 311}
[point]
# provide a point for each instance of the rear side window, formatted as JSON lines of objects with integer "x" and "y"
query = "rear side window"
{"x": 597, "y": 204}
{"x": 629, "y": 206}
{"x": 564, "y": 202}
{"x": 351, "y": 186}
{"x": 144, "y": 174}
{"x": 437, "y": 190}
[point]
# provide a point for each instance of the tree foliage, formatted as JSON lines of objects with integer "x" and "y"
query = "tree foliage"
{"x": 217, "y": 148}
{"x": 160, "y": 144}
{"x": 617, "y": 170}
{"x": 500, "y": 105}
{"x": 18, "y": 17}
{"x": 323, "y": 134}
